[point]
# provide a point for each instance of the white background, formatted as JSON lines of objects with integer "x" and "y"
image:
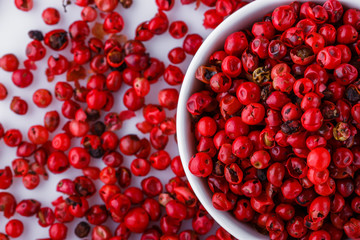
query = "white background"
{"x": 14, "y": 25}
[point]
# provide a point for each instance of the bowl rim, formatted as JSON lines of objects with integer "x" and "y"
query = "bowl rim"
{"x": 186, "y": 143}
{"x": 237, "y": 228}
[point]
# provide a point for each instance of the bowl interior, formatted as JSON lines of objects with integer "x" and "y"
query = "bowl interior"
{"x": 239, "y": 20}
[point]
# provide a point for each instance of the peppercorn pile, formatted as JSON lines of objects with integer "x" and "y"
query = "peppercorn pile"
{"x": 77, "y": 164}
{"x": 277, "y": 123}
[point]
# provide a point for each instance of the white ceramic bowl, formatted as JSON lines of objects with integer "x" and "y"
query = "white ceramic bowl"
{"x": 241, "y": 19}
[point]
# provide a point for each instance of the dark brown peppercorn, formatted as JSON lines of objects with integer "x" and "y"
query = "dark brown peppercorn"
{"x": 265, "y": 92}
{"x": 205, "y": 73}
{"x": 96, "y": 153}
{"x": 219, "y": 168}
{"x": 352, "y": 94}
{"x": 98, "y": 128}
{"x": 36, "y": 35}
{"x": 290, "y": 127}
{"x": 92, "y": 114}
{"x": 82, "y": 229}
{"x": 126, "y": 3}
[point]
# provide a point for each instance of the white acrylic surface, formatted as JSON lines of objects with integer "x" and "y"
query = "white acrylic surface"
{"x": 14, "y": 25}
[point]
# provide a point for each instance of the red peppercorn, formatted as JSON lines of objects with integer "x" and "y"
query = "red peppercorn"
{"x": 14, "y": 228}
{"x": 22, "y": 78}
{"x": 35, "y": 51}
{"x": 57, "y": 162}
{"x": 31, "y": 180}
{"x": 192, "y": 43}
{"x": 176, "y": 55}
{"x": 143, "y": 33}
{"x": 96, "y": 99}
{"x": 277, "y": 49}
{"x": 51, "y": 120}
{"x": 248, "y": 92}
{"x": 265, "y": 29}
{"x": 151, "y": 186}
{"x": 351, "y": 17}
{"x": 91, "y": 172}
{"x": 140, "y": 167}
{"x": 50, "y": 16}
{"x": 24, "y": 5}
{"x": 88, "y": 14}
{"x": 129, "y": 144}
{"x": 173, "y": 75}
{"x": 97, "y": 214}
{"x": 6, "y": 178}
{"x": 253, "y": 114}
{"x": 178, "y": 29}
{"x": 107, "y": 5}
{"x": 212, "y": 18}
{"x": 79, "y": 158}
{"x": 160, "y": 160}
{"x": 42, "y": 98}
{"x": 113, "y": 23}
{"x": 346, "y": 34}
{"x": 38, "y": 134}
{"x": 19, "y": 106}
{"x": 260, "y": 159}
{"x": 158, "y": 24}
{"x": 291, "y": 188}
{"x": 329, "y": 57}
{"x": 58, "y": 231}
{"x": 202, "y": 222}
{"x": 283, "y": 17}
{"x": 177, "y": 167}
{"x": 224, "y": 7}
{"x": 20, "y": 166}
{"x": 168, "y": 98}
{"x": 100, "y": 232}
{"x": 137, "y": 220}
{"x": 9, "y": 62}
{"x": 141, "y": 86}
{"x": 137, "y": 62}
{"x": 108, "y": 175}
{"x": 99, "y": 64}
{"x": 201, "y": 165}
{"x": 56, "y": 39}
{"x": 113, "y": 81}
{"x": 124, "y": 177}
{"x": 319, "y": 158}
{"x": 345, "y": 74}
{"x": 28, "y": 207}
{"x": 58, "y": 65}
{"x": 8, "y": 202}
{"x": 165, "y": 5}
